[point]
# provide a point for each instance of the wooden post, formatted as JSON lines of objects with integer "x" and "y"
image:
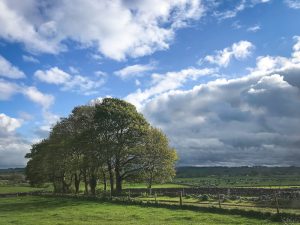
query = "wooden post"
{"x": 183, "y": 194}
{"x": 155, "y": 197}
{"x": 276, "y": 201}
{"x": 219, "y": 201}
{"x": 180, "y": 199}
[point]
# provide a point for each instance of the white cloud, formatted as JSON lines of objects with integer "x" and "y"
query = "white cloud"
{"x": 236, "y": 8}
{"x": 118, "y": 28}
{"x": 254, "y": 28}
{"x": 136, "y": 70}
{"x": 137, "y": 82}
{"x": 239, "y": 51}
{"x": 28, "y": 58}
{"x": 53, "y": 76}
{"x": 231, "y": 13}
{"x": 20, "y": 23}
{"x": 162, "y": 83}
{"x": 8, "y": 70}
{"x": 7, "y": 89}
{"x": 294, "y": 4}
{"x": 251, "y": 120}
{"x": 73, "y": 70}
{"x": 9, "y": 124}
{"x": 12, "y": 146}
{"x": 100, "y": 73}
{"x": 38, "y": 97}
{"x": 76, "y": 83}
{"x": 12, "y": 151}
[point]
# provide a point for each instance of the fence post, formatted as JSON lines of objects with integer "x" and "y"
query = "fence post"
{"x": 219, "y": 201}
{"x": 276, "y": 201}
{"x": 180, "y": 199}
{"x": 155, "y": 198}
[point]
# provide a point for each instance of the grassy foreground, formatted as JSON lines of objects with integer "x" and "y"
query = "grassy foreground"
{"x": 43, "y": 210}
{"x": 17, "y": 189}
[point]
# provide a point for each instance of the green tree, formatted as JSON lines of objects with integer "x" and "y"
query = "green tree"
{"x": 122, "y": 131}
{"x": 158, "y": 159}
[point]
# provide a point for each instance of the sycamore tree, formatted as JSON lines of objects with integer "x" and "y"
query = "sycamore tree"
{"x": 158, "y": 158}
{"x": 124, "y": 131}
{"x": 110, "y": 140}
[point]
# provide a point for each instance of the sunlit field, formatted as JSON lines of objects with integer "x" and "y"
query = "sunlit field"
{"x": 29, "y": 210}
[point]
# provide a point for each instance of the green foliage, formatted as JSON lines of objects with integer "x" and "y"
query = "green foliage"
{"x": 109, "y": 141}
{"x": 158, "y": 158}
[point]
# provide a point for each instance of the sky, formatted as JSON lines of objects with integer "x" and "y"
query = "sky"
{"x": 220, "y": 78}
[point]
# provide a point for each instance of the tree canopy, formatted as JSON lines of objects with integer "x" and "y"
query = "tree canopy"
{"x": 96, "y": 143}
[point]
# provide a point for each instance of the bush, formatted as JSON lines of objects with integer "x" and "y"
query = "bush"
{"x": 204, "y": 197}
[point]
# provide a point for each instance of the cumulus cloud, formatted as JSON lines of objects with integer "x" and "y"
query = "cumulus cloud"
{"x": 251, "y": 120}
{"x": 12, "y": 147}
{"x": 9, "y": 71}
{"x": 8, "y": 89}
{"x": 12, "y": 150}
{"x": 254, "y": 28}
{"x": 234, "y": 9}
{"x": 134, "y": 71}
{"x": 294, "y": 4}
{"x": 162, "y": 83}
{"x": 31, "y": 59}
{"x": 118, "y": 28}
{"x": 239, "y": 51}
{"x": 53, "y": 76}
{"x": 22, "y": 23}
{"x": 76, "y": 83}
{"x": 38, "y": 97}
{"x": 8, "y": 124}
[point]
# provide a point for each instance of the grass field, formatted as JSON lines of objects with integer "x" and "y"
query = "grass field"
{"x": 29, "y": 210}
{"x": 241, "y": 181}
{"x": 15, "y": 189}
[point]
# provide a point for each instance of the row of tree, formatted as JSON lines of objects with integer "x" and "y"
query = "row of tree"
{"x": 108, "y": 142}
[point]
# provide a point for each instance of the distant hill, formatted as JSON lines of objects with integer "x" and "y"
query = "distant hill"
{"x": 12, "y": 170}
{"x": 193, "y": 172}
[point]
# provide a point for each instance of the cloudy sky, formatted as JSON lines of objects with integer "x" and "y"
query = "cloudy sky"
{"x": 221, "y": 78}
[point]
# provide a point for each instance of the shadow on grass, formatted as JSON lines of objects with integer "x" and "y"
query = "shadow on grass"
{"x": 34, "y": 204}
{"x": 223, "y": 211}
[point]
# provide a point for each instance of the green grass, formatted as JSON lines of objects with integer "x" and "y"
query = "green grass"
{"x": 243, "y": 204}
{"x": 15, "y": 189}
{"x": 141, "y": 185}
{"x": 273, "y": 181}
{"x": 43, "y": 210}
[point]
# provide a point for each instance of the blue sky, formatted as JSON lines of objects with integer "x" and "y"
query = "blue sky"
{"x": 221, "y": 78}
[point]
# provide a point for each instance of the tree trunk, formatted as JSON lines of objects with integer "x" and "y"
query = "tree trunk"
{"x": 150, "y": 181}
{"x": 93, "y": 184}
{"x": 118, "y": 178}
{"x": 86, "y": 188}
{"x": 104, "y": 181}
{"x": 77, "y": 183}
{"x": 111, "y": 176}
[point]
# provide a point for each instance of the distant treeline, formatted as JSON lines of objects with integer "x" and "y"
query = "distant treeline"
{"x": 193, "y": 172}
{"x": 12, "y": 170}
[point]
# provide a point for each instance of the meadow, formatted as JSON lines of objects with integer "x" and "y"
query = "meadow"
{"x": 54, "y": 210}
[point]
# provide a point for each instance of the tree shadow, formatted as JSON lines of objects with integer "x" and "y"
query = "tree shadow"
{"x": 34, "y": 204}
